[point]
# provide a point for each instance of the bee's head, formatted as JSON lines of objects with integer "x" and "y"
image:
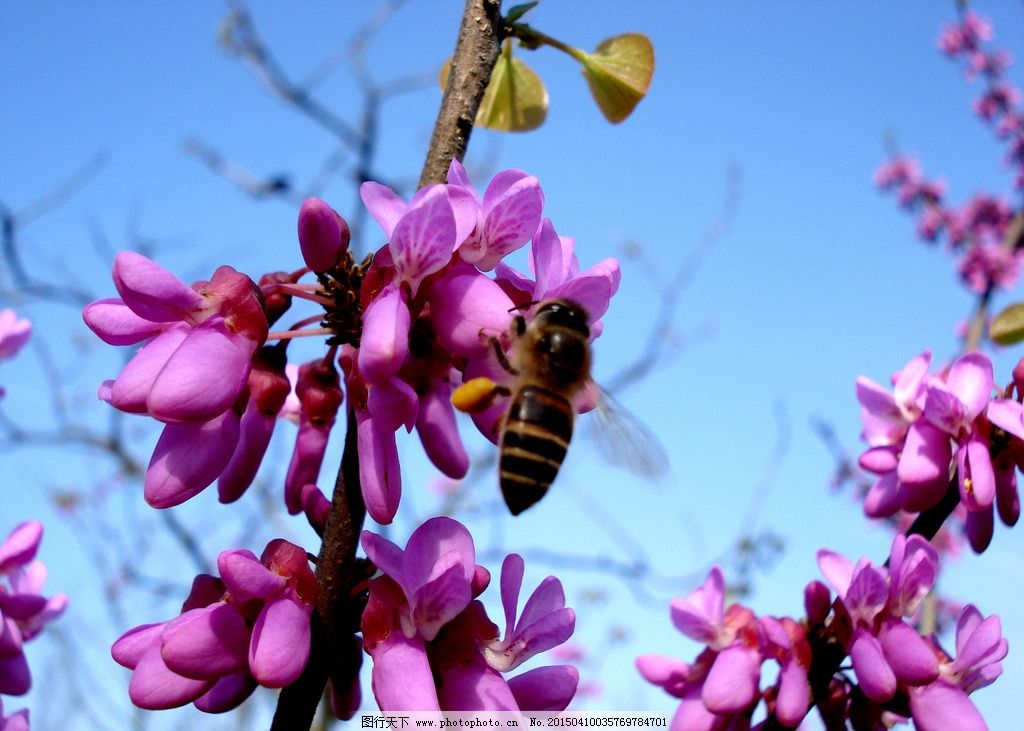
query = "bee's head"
{"x": 562, "y": 313}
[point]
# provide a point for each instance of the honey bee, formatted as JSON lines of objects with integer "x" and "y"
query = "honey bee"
{"x": 550, "y": 359}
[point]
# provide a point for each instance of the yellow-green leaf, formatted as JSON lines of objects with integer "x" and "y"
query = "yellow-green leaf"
{"x": 1008, "y": 326}
{"x": 516, "y": 99}
{"x": 619, "y": 73}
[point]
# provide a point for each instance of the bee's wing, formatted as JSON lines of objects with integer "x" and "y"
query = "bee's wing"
{"x": 623, "y": 439}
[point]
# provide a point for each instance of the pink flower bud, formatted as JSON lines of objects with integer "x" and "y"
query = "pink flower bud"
{"x": 323, "y": 235}
{"x": 817, "y": 602}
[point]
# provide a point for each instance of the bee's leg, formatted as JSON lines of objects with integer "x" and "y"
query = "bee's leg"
{"x": 499, "y": 353}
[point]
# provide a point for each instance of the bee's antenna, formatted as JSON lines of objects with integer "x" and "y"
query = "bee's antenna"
{"x": 524, "y": 306}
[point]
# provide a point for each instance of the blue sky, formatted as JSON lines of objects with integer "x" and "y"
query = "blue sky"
{"x": 817, "y": 279}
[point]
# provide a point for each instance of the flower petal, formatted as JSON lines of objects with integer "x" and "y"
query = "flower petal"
{"x": 383, "y": 204}
{"x": 402, "y": 679}
{"x": 977, "y": 478}
{"x": 467, "y": 309}
{"x": 227, "y": 693}
{"x": 380, "y": 473}
{"x": 699, "y": 615}
{"x": 280, "y": 643}
{"x": 130, "y": 390}
{"x": 926, "y": 455}
{"x": 874, "y": 675}
{"x": 206, "y": 643}
{"x": 115, "y": 323}
{"x": 934, "y": 706}
{"x": 21, "y": 545}
{"x": 423, "y": 239}
{"x": 970, "y": 378}
{"x": 188, "y": 458}
{"x": 731, "y": 685}
{"x": 548, "y": 688}
{"x": 154, "y": 687}
{"x": 909, "y": 655}
{"x": 665, "y": 672}
{"x": 204, "y": 375}
{"x": 439, "y": 433}
{"x": 245, "y": 576}
{"x": 475, "y": 686}
{"x": 151, "y": 291}
{"x": 435, "y": 539}
{"x": 384, "y": 344}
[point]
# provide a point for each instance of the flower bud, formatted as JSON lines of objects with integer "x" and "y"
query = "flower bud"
{"x": 817, "y": 602}
{"x": 1018, "y": 376}
{"x": 323, "y": 235}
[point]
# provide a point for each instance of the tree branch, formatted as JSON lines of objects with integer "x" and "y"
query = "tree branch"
{"x": 476, "y": 52}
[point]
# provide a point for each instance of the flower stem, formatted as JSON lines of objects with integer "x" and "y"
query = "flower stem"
{"x": 332, "y": 621}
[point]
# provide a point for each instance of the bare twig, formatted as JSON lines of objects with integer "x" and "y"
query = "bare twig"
{"x": 655, "y": 348}
{"x": 476, "y": 52}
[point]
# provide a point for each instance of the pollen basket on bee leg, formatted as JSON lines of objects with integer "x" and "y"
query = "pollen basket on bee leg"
{"x": 477, "y": 394}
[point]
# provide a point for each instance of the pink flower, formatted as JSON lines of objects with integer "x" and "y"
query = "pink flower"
{"x": 944, "y": 703}
{"x": 433, "y": 646}
{"x": 249, "y": 627}
{"x": 505, "y": 219}
{"x": 201, "y": 339}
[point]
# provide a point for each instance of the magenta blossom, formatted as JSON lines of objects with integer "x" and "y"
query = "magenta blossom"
{"x": 432, "y": 645}
{"x": 930, "y": 424}
{"x": 944, "y": 703}
{"x": 250, "y": 627}
{"x": 201, "y": 339}
{"x": 505, "y": 218}
{"x": 885, "y": 650}
{"x": 24, "y": 611}
{"x": 721, "y": 689}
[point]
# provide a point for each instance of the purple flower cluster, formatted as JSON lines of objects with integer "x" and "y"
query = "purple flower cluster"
{"x": 929, "y": 425}
{"x": 899, "y": 674}
{"x": 977, "y": 229}
{"x": 407, "y": 327}
{"x": 432, "y": 643}
{"x": 249, "y": 627}
{"x": 999, "y": 105}
{"x": 721, "y": 688}
{"x": 24, "y": 611}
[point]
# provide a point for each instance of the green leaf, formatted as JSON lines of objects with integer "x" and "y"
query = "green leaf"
{"x": 1008, "y": 326}
{"x": 619, "y": 73}
{"x": 518, "y": 11}
{"x": 516, "y": 99}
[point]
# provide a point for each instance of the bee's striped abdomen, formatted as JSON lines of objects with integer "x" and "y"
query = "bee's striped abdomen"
{"x": 533, "y": 444}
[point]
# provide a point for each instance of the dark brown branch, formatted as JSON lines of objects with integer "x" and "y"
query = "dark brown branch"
{"x": 929, "y": 522}
{"x": 476, "y": 52}
{"x": 333, "y": 621}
